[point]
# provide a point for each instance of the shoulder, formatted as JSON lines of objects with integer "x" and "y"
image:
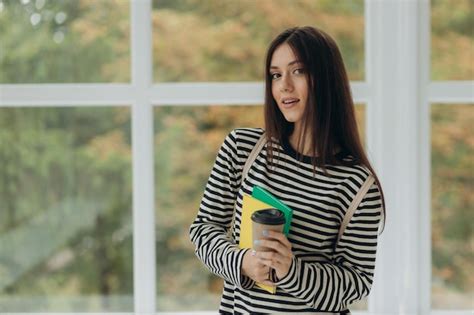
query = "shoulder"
{"x": 357, "y": 171}
{"x": 353, "y": 176}
{"x": 245, "y": 138}
{"x": 247, "y": 134}
{"x": 364, "y": 174}
{"x": 240, "y": 141}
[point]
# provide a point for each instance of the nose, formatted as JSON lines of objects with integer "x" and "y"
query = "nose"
{"x": 286, "y": 84}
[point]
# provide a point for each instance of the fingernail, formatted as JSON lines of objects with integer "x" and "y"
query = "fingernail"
{"x": 265, "y": 233}
{"x": 253, "y": 253}
{"x": 256, "y": 242}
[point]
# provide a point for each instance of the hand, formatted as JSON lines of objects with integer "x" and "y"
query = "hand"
{"x": 253, "y": 268}
{"x": 280, "y": 256}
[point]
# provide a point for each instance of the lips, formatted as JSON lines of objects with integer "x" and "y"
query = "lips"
{"x": 287, "y": 102}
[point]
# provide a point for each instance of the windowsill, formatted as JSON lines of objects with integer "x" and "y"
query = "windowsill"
{"x": 433, "y": 312}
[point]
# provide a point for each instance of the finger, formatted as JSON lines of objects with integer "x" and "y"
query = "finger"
{"x": 274, "y": 245}
{"x": 272, "y": 256}
{"x": 256, "y": 262}
{"x": 278, "y": 236}
{"x": 268, "y": 263}
{"x": 263, "y": 270}
{"x": 262, "y": 276}
{"x": 272, "y": 263}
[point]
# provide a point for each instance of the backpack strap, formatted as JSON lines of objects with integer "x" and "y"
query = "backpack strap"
{"x": 248, "y": 164}
{"x": 253, "y": 156}
{"x": 353, "y": 207}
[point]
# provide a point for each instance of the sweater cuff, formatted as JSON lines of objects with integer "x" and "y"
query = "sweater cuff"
{"x": 288, "y": 281}
{"x": 245, "y": 282}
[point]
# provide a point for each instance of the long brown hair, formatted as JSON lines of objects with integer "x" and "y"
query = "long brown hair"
{"x": 329, "y": 116}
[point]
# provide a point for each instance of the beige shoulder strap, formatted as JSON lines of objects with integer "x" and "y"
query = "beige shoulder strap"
{"x": 352, "y": 208}
{"x": 253, "y": 155}
{"x": 248, "y": 164}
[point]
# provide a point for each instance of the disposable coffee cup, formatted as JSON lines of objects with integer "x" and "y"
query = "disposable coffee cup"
{"x": 266, "y": 219}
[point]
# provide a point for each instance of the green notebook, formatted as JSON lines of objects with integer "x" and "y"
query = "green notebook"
{"x": 264, "y": 196}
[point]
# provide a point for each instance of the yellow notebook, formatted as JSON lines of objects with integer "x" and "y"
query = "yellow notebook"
{"x": 249, "y": 206}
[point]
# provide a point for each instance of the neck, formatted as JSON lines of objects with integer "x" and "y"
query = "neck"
{"x": 305, "y": 144}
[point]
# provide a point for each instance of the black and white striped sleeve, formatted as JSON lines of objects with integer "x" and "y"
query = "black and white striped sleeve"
{"x": 209, "y": 231}
{"x": 334, "y": 286}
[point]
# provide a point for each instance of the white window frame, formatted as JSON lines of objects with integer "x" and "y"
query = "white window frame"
{"x": 398, "y": 93}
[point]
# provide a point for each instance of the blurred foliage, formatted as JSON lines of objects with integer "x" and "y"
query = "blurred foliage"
{"x": 64, "y": 41}
{"x": 452, "y": 40}
{"x": 452, "y": 142}
{"x": 224, "y": 27}
{"x": 52, "y": 155}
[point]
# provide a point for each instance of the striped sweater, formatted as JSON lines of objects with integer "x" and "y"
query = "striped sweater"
{"x": 320, "y": 279}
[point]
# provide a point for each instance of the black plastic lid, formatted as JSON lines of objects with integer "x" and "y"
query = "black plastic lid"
{"x": 270, "y": 216}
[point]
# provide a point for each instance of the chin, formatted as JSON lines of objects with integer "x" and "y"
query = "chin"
{"x": 291, "y": 119}
{"x": 292, "y": 116}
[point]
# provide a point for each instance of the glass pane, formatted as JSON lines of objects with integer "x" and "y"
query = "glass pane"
{"x": 182, "y": 169}
{"x": 224, "y": 40}
{"x": 452, "y": 40}
{"x": 64, "y": 41}
{"x": 452, "y": 144}
{"x": 65, "y": 218}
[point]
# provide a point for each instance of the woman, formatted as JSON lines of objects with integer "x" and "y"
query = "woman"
{"x": 314, "y": 162}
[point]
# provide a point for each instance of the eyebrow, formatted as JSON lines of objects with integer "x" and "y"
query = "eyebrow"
{"x": 289, "y": 64}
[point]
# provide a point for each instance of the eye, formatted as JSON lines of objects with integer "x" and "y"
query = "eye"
{"x": 274, "y": 76}
{"x": 299, "y": 71}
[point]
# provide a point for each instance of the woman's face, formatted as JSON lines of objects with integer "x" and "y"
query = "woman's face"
{"x": 289, "y": 84}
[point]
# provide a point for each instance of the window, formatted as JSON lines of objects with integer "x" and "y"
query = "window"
{"x": 65, "y": 220}
{"x": 82, "y": 41}
{"x": 451, "y": 189}
{"x": 203, "y": 40}
{"x": 78, "y": 197}
{"x": 452, "y": 40}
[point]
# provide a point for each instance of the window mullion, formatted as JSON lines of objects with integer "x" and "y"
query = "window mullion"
{"x": 393, "y": 137}
{"x": 144, "y": 264}
{"x": 424, "y": 276}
